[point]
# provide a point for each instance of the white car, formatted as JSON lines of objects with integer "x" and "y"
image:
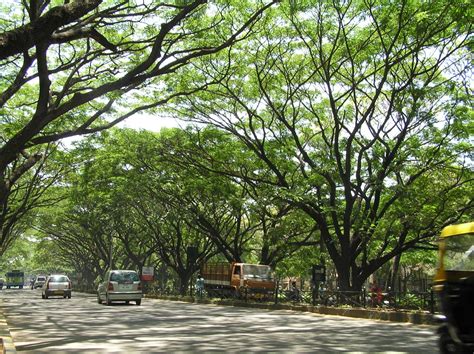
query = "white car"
{"x": 39, "y": 281}
{"x": 120, "y": 285}
{"x": 56, "y": 285}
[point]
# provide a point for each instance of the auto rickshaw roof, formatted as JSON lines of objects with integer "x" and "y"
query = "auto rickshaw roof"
{"x": 460, "y": 229}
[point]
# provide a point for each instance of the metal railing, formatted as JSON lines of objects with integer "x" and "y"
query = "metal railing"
{"x": 420, "y": 301}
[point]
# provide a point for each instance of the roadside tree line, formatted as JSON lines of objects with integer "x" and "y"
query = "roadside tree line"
{"x": 340, "y": 127}
{"x": 131, "y": 205}
{"x": 81, "y": 67}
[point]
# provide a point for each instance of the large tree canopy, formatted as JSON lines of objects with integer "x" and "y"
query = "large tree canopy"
{"x": 82, "y": 66}
{"x": 360, "y": 112}
{"x": 349, "y": 124}
{"x": 132, "y": 199}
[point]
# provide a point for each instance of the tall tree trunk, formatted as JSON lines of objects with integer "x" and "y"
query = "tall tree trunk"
{"x": 358, "y": 280}
{"x": 184, "y": 278}
{"x": 395, "y": 270}
{"x": 343, "y": 274}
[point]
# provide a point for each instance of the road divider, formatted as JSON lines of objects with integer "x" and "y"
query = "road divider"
{"x": 376, "y": 314}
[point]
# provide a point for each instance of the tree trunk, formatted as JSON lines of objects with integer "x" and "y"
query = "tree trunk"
{"x": 395, "y": 270}
{"x": 184, "y": 278}
{"x": 357, "y": 281}
{"x": 343, "y": 274}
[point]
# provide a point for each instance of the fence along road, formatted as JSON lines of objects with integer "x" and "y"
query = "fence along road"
{"x": 81, "y": 325}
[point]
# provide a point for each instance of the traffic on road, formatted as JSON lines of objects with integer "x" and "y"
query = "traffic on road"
{"x": 80, "y": 324}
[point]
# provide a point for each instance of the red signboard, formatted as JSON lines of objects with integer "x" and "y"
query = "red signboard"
{"x": 147, "y": 273}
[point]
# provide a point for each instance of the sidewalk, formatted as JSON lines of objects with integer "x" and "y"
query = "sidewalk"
{"x": 6, "y": 342}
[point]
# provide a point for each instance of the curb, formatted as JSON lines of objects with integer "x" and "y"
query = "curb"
{"x": 6, "y": 341}
{"x": 417, "y": 318}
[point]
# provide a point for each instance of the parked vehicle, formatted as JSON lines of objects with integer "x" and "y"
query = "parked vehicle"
{"x": 15, "y": 278}
{"x": 238, "y": 280}
{"x": 120, "y": 285}
{"x": 454, "y": 281}
{"x": 39, "y": 281}
{"x": 57, "y": 285}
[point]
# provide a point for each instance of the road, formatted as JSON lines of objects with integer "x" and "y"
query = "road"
{"x": 81, "y": 325}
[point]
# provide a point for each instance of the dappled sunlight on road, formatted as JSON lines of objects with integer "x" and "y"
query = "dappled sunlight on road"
{"x": 82, "y": 325}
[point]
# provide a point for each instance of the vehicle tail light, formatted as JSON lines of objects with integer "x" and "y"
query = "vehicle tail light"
{"x": 111, "y": 286}
{"x": 139, "y": 286}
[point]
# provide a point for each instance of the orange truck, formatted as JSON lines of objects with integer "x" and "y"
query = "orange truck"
{"x": 238, "y": 280}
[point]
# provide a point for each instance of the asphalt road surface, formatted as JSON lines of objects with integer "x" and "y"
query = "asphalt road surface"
{"x": 82, "y": 325}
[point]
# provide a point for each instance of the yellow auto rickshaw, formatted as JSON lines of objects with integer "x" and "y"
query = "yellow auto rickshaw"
{"x": 454, "y": 282}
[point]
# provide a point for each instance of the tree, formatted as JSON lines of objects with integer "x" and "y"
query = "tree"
{"x": 79, "y": 231}
{"x": 241, "y": 217}
{"x": 83, "y": 66}
{"x": 137, "y": 190}
{"x": 359, "y": 112}
{"x": 182, "y": 204}
{"x": 27, "y": 192}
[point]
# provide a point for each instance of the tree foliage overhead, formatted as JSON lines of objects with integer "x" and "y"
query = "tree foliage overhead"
{"x": 132, "y": 200}
{"x": 242, "y": 220}
{"x": 349, "y": 125}
{"x": 360, "y": 112}
{"x": 28, "y": 192}
{"x": 79, "y": 67}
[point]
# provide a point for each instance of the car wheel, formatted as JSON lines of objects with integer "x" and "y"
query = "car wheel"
{"x": 127, "y": 302}
{"x": 139, "y": 302}
{"x": 107, "y": 300}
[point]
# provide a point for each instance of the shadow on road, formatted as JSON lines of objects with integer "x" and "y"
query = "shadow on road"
{"x": 82, "y": 325}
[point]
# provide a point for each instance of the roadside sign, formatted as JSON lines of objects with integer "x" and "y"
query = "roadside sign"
{"x": 319, "y": 273}
{"x": 148, "y": 273}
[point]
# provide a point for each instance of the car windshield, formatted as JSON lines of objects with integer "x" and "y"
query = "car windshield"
{"x": 258, "y": 271}
{"x": 459, "y": 253}
{"x": 59, "y": 279}
{"x": 124, "y": 276}
{"x": 40, "y": 279}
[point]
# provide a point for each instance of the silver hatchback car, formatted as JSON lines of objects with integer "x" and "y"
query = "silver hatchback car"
{"x": 120, "y": 285}
{"x": 56, "y": 285}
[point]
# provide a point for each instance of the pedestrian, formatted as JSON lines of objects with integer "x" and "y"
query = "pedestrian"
{"x": 200, "y": 286}
{"x": 375, "y": 294}
{"x": 322, "y": 289}
{"x": 379, "y": 296}
{"x": 295, "y": 292}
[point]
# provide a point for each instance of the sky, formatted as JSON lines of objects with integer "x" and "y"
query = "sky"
{"x": 139, "y": 121}
{"x": 150, "y": 122}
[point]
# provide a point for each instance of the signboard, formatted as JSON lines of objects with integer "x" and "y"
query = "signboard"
{"x": 148, "y": 273}
{"x": 319, "y": 273}
{"x": 192, "y": 253}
